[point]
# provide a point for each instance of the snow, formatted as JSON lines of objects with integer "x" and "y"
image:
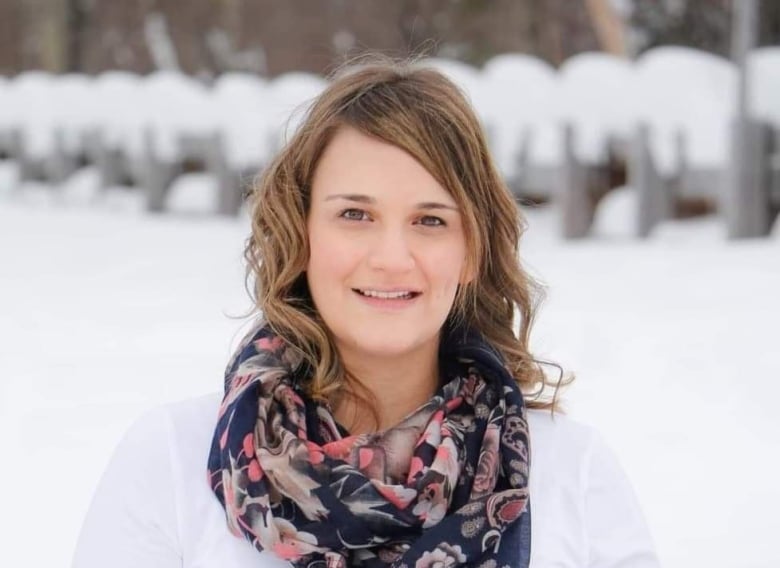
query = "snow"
{"x": 192, "y": 193}
{"x": 108, "y": 312}
{"x": 679, "y": 89}
{"x": 117, "y": 108}
{"x": 596, "y": 97}
{"x": 241, "y": 102}
{"x": 764, "y": 72}
{"x": 38, "y": 103}
{"x": 28, "y": 108}
{"x": 9, "y": 179}
{"x": 520, "y": 100}
{"x": 465, "y": 76}
{"x": 82, "y": 188}
{"x": 72, "y": 101}
{"x": 288, "y": 98}
{"x": 617, "y": 214}
{"x": 172, "y": 105}
{"x": 676, "y": 91}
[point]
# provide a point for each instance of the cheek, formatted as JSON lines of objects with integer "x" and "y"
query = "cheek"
{"x": 330, "y": 258}
{"x": 446, "y": 269}
{"x": 446, "y": 290}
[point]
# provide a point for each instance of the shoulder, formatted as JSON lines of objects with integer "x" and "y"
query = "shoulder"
{"x": 174, "y": 434}
{"x": 560, "y": 450}
{"x": 132, "y": 519}
{"x": 202, "y": 525}
{"x": 193, "y": 418}
{"x": 189, "y": 427}
{"x": 148, "y": 462}
{"x": 156, "y": 429}
{"x": 154, "y": 506}
{"x": 179, "y": 431}
{"x": 583, "y": 508}
{"x": 558, "y": 433}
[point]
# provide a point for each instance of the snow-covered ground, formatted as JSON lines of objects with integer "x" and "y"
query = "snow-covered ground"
{"x": 106, "y": 311}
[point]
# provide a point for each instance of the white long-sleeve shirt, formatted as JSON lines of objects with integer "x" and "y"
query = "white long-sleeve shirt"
{"x": 154, "y": 508}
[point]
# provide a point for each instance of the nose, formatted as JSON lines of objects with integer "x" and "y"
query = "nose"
{"x": 391, "y": 251}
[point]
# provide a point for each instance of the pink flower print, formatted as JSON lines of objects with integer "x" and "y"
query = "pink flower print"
{"x": 286, "y": 551}
{"x": 269, "y": 344}
{"x": 443, "y": 556}
{"x": 431, "y": 506}
{"x": 296, "y": 398}
{"x": 230, "y": 496}
{"x": 454, "y": 403}
{"x": 487, "y": 467}
{"x": 415, "y": 467}
{"x": 292, "y": 544}
{"x": 249, "y": 445}
{"x": 398, "y": 495}
{"x": 506, "y": 507}
{"x": 443, "y": 453}
{"x": 335, "y": 560}
{"x": 365, "y": 457}
{"x": 340, "y": 449}
{"x": 231, "y": 509}
{"x": 222, "y": 409}
{"x": 255, "y": 472}
{"x": 290, "y": 400}
{"x": 316, "y": 456}
{"x": 238, "y": 382}
{"x": 430, "y": 513}
{"x": 446, "y": 460}
{"x": 292, "y": 482}
{"x": 432, "y": 433}
{"x": 223, "y": 440}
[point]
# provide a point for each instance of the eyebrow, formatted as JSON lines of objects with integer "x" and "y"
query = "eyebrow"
{"x": 360, "y": 198}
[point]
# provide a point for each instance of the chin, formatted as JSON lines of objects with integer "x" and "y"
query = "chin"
{"x": 389, "y": 342}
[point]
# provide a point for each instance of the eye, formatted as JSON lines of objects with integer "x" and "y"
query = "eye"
{"x": 353, "y": 214}
{"x": 431, "y": 221}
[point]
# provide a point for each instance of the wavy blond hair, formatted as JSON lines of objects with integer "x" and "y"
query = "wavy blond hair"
{"x": 422, "y": 112}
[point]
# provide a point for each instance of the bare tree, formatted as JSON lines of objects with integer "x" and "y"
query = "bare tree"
{"x": 273, "y": 36}
{"x": 609, "y": 27}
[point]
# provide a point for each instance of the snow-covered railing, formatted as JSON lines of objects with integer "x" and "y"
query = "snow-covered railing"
{"x": 147, "y": 130}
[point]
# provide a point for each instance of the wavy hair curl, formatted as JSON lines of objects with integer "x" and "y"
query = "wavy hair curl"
{"x": 422, "y": 112}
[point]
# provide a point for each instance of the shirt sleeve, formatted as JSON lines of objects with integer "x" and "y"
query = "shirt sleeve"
{"x": 618, "y": 536}
{"x": 132, "y": 520}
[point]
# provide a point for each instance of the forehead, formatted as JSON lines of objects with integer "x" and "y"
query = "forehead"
{"x": 354, "y": 162}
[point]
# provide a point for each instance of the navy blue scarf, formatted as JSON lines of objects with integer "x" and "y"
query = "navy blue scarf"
{"x": 447, "y": 486}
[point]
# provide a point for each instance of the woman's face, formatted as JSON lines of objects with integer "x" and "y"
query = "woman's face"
{"x": 387, "y": 248}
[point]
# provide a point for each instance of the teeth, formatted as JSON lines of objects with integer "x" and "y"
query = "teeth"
{"x": 386, "y": 295}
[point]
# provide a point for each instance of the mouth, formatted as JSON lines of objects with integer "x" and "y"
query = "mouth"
{"x": 387, "y": 296}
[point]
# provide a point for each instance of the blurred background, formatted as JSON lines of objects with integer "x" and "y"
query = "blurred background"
{"x": 640, "y": 137}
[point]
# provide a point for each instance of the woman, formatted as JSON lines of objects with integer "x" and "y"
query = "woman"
{"x": 385, "y": 410}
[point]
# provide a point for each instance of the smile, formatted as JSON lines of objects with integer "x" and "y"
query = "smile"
{"x": 394, "y": 295}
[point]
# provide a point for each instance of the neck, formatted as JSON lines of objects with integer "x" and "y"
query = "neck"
{"x": 398, "y": 385}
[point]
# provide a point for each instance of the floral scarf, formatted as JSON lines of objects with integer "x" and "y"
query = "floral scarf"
{"x": 447, "y": 486}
